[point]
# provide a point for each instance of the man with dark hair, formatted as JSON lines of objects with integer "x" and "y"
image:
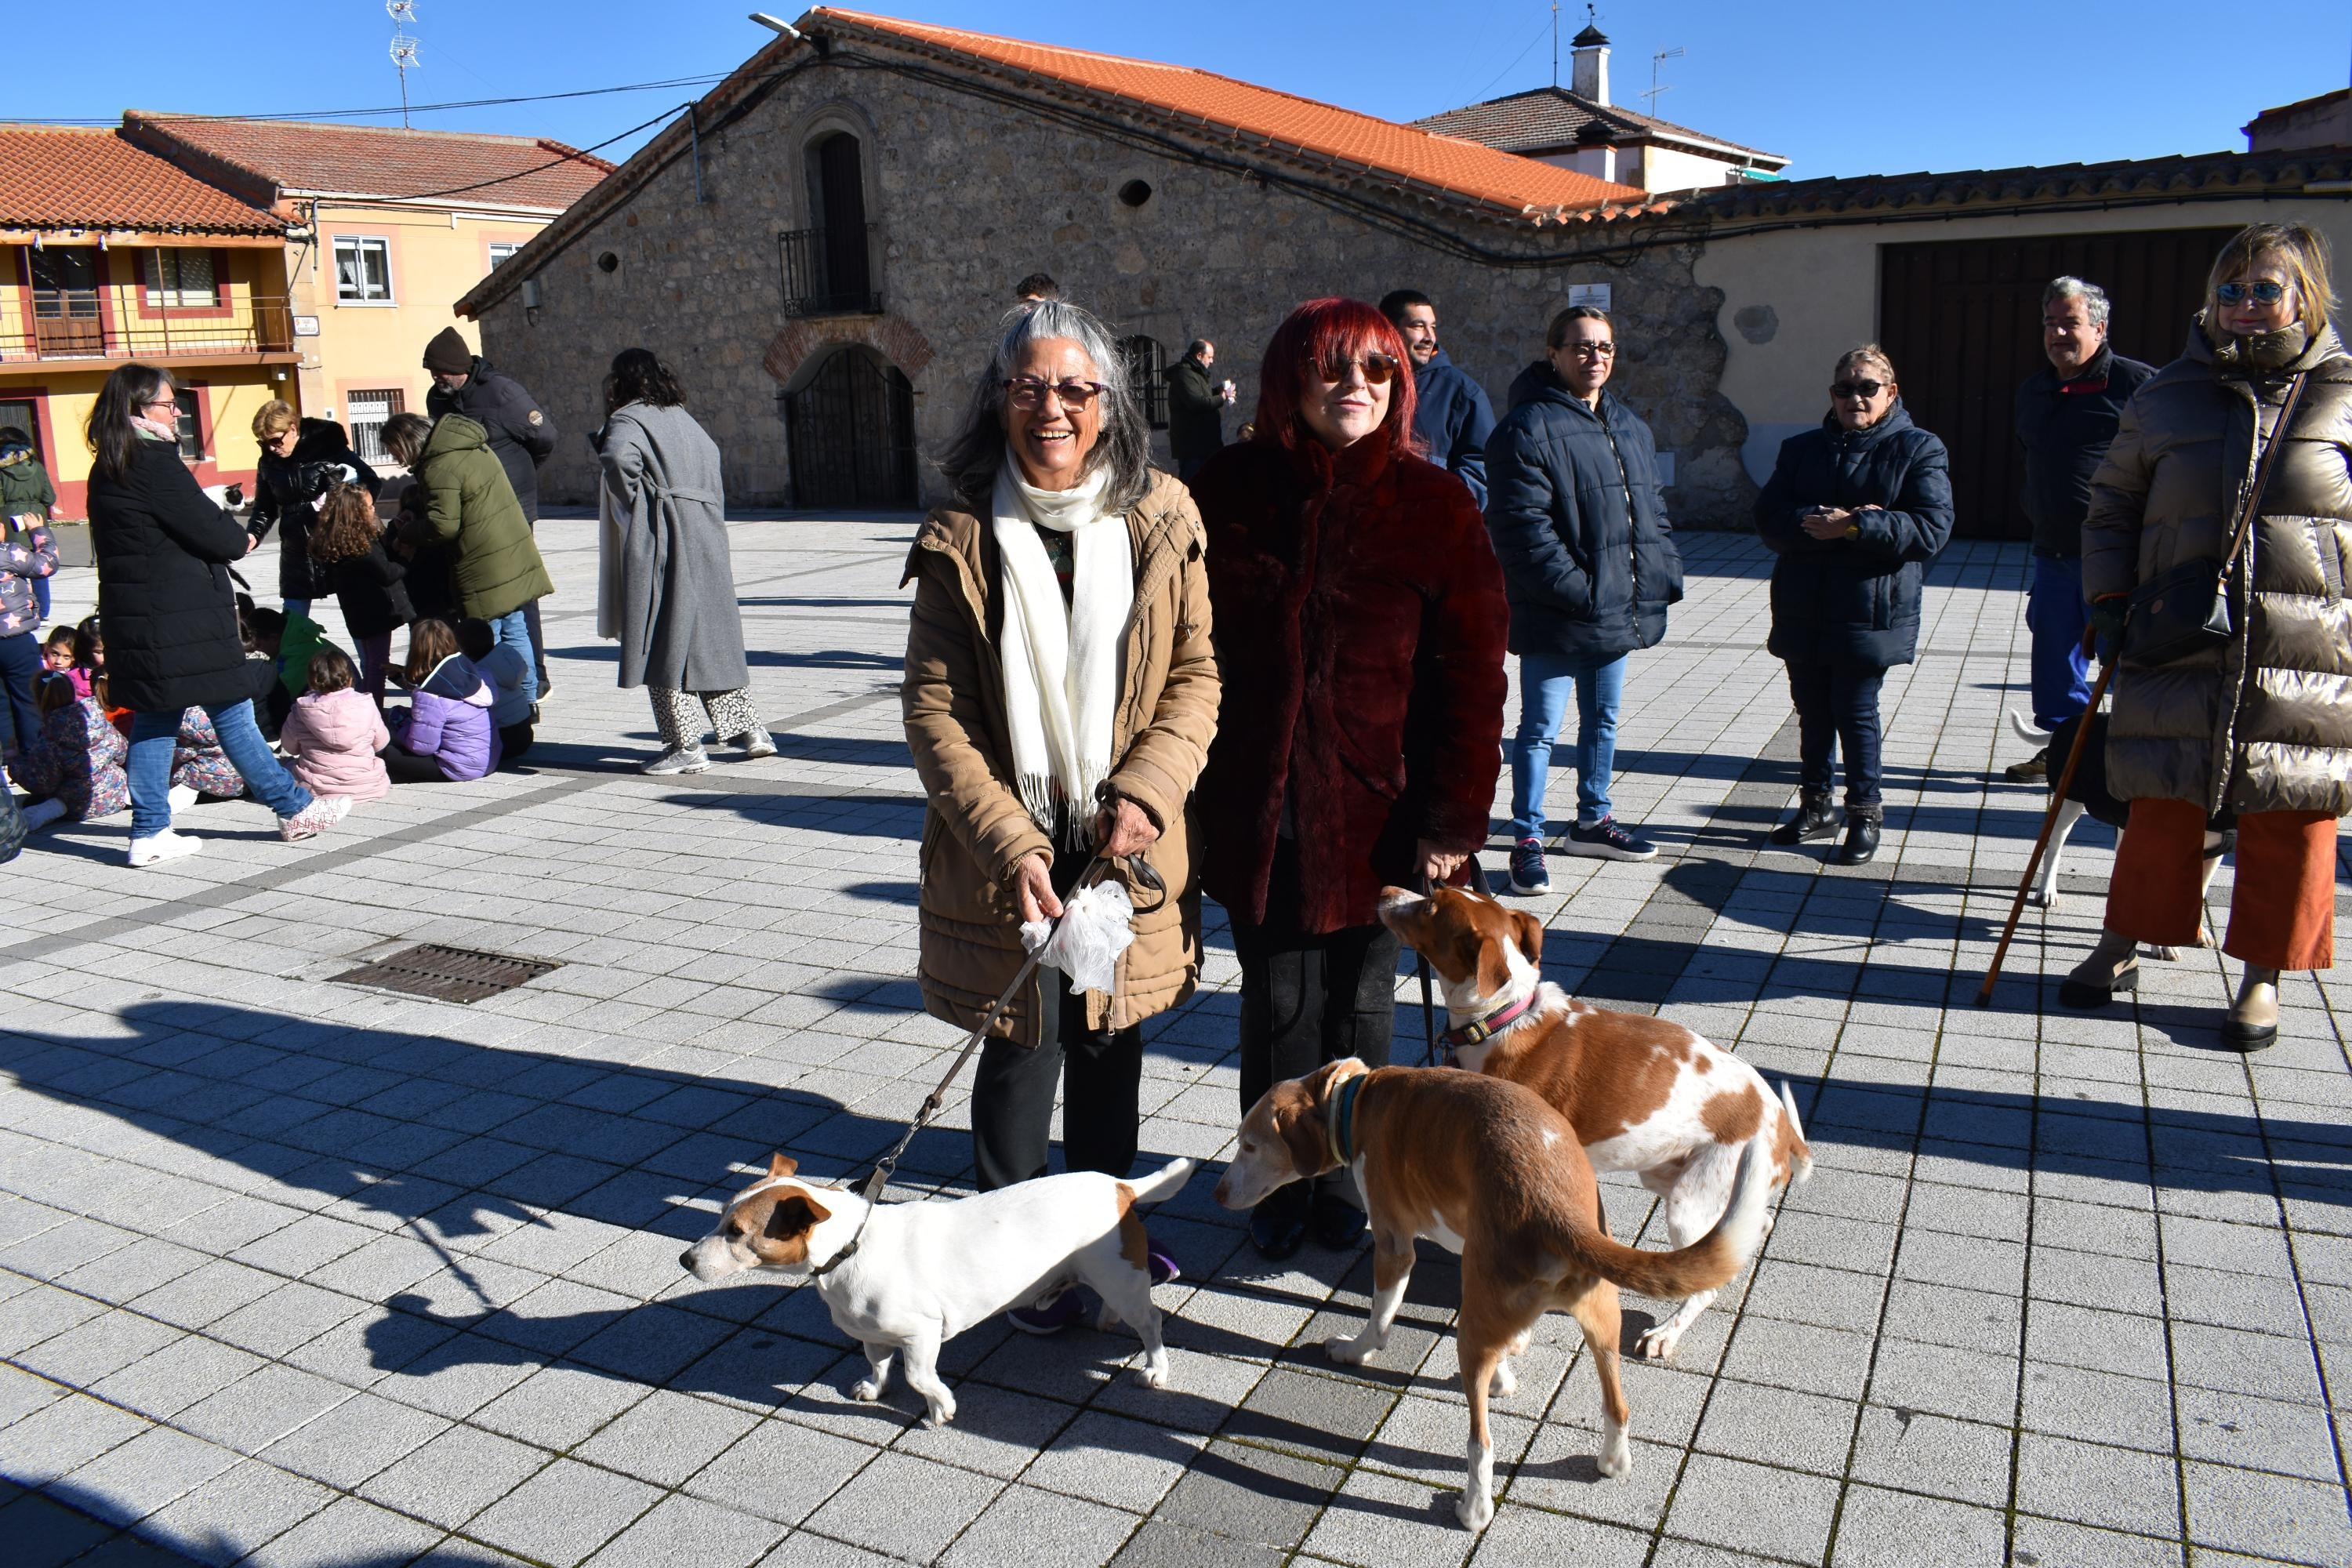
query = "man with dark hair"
{"x": 1034, "y": 287}
{"x": 521, "y": 437}
{"x": 1196, "y": 409}
{"x": 1451, "y": 414}
{"x": 2066, "y": 415}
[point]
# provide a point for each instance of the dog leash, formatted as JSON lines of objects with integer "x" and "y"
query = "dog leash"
{"x": 871, "y": 1188}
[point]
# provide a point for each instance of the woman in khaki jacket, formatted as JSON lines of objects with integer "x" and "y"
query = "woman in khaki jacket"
{"x": 2260, "y": 726}
{"x": 1060, "y": 697}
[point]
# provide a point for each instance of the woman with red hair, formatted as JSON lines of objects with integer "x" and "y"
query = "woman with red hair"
{"x": 1359, "y": 621}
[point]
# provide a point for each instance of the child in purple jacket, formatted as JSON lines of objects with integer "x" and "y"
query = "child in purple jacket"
{"x": 445, "y": 735}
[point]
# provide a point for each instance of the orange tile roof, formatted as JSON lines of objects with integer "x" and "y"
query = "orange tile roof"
{"x": 382, "y": 162}
{"x": 52, "y": 177}
{"x": 1449, "y": 163}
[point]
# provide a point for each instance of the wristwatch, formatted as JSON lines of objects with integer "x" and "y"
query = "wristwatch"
{"x": 1854, "y": 531}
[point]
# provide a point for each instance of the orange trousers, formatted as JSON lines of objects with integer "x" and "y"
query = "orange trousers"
{"x": 2283, "y": 912}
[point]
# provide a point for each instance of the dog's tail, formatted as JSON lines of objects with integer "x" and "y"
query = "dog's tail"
{"x": 2026, "y": 731}
{"x": 1710, "y": 1261}
{"x": 1801, "y": 1154}
{"x": 1166, "y": 1183}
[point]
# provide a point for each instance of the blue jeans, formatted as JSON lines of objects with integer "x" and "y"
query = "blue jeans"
{"x": 1837, "y": 711}
{"x": 2055, "y": 618}
{"x": 152, "y": 735}
{"x": 512, "y": 628}
{"x": 1546, "y": 679}
{"x": 20, "y": 671}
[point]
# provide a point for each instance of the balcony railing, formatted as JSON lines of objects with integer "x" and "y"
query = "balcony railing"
{"x": 833, "y": 271}
{"x": 117, "y": 323}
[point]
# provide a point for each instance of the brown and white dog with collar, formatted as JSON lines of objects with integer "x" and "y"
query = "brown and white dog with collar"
{"x": 905, "y": 1278}
{"x": 1645, "y": 1094}
{"x": 1485, "y": 1169}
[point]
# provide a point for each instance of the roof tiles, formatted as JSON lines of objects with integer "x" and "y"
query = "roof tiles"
{"x": 384, "y": 163}
{"x": 1447, "y": 163}
{"x": 57, "y": 178}
{"x": 1546, "y": 118}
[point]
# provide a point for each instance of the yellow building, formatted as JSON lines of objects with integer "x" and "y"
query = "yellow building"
{"x": 109, "y": 253}
{"x": 386, "y": 229}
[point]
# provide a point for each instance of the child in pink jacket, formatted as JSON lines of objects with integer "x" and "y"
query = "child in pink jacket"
{"x": 333, "y": 732}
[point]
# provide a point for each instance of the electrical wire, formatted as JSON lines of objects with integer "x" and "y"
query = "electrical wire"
{"x": 395, "y": 109}
{"x": 570, "y": 157}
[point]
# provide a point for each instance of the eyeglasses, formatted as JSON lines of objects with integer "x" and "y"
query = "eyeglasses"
{"x": 1592, "y": 351}
{"x": 1864, "y": 389}
{"x": 171, "y": 402}
{"x": 1379, "y": 369}
{"x": 1029, "y": 392}
{"x": 2263, "y": 291}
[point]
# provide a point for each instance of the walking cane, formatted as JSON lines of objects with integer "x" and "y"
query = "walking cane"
{"x": 2049, "y": 822}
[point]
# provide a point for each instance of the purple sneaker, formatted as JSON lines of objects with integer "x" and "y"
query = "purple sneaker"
{"x": 1048, "y": 1314}
{"x": 1162, "y": 1266}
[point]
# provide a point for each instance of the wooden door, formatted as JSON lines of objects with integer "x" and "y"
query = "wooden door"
{"x": 842, "y": 191}
{"x": 65, "y": 317}
{"x": 1963, "y": 321}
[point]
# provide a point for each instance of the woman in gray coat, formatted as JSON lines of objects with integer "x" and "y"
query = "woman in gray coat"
{"x": 665, "y": 583}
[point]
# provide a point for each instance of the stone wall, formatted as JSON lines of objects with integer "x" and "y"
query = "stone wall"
{"x": 972, "y": 195}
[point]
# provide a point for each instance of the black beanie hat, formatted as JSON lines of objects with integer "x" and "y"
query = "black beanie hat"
{"x": 449, "y": 354}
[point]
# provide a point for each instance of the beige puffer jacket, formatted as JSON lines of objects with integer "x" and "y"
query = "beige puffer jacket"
{"x": 2263, "y": 724}
{"x": 975, "y": 829}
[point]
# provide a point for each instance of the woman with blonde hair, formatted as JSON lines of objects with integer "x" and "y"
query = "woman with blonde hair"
{"x": 1853, "y": 512}
{"x": 300, "y": 459}
{"x": 2201, "y": 498}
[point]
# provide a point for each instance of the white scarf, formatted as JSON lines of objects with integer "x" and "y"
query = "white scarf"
{"x": 1061, "y": 666}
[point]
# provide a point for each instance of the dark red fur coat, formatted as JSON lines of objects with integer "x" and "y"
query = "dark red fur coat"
{"x": 1360, "y": 623}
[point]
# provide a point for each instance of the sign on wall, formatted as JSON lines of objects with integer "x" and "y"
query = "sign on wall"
{"x": 306, "y": 326}
{"x": 1594, "y": 294}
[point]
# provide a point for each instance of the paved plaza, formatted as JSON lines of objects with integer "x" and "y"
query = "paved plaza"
{"x": 298, "y": 1272}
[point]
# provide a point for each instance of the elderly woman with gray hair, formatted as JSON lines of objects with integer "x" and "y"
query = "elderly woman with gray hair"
{"x": 1060, "y": 695}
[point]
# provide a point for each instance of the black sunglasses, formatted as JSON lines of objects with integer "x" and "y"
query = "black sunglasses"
{"x": 1857, "y": 388}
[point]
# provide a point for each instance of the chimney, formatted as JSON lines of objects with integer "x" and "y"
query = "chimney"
{"x": 1588, "y": 66}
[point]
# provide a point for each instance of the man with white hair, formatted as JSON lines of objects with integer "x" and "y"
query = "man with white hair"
{"x": 2066, "y": 415}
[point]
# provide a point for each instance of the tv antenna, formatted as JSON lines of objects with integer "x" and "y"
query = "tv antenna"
{"x": 404, "y": 47}
{"x": 1651, "y": 97}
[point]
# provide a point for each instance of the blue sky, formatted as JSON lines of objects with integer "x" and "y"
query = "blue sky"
{"x": 1841, "y": 90}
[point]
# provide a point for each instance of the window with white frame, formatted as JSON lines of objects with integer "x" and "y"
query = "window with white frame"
{"x": 363, "y": 270}
{"x": 191, "y": 426}
{"x": 368, "y": 412}
{"x": 180, "y": 278}
{"x": 502, "y": 248}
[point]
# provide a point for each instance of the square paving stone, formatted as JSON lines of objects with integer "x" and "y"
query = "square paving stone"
{"x": 557, "y": 1407}
{"x": 683, "y": 1530}
{"x": 1424, "y": 1440}
{"x": 236, "y": 1513}
{"x": 2267, "y": 1516}
{"x": 1319, "y": 1417}
{"x": 1558, "y": 1475}
{"x": 666, "y": 1438}
{"x": 2098, "y": 1407}
{"x": 63, "y": 1436}
{"x": 1946, "y": 1380}
{"x": 1377, "y": 1520}
{"x": 1523, "y": 1537}
{"x": 1753, "y": 1507}
{"x": 1109, "y": 1459}
{"x": 153, "y": 1470}
{"x": 2101, "y": 1341}
{"x": 1777, "y": 1426}
{"x": 1886, "y": 1530}
{"x": 2053, "y": 1543}
{"x": 1913, "y": 1451}
{"x": 1160, "y": 1545}
{"x": 905, "y": 1506}
{"x": 454, "y": 1476}
{"x": 781, "y": 1471}
{"x": 998, "y": 1433}
{"x": 1041, "y": 1529}
{"x": 2240, "y": 1430}
{"x": 353, "y": 1441}
{"x": 1254, "y": 1495}
{"x": 2113, "y": 1488}
{"x": 347, "y": 1530}
{"x": 564, "y": 1513}
{"x": 1798, "y": 1356}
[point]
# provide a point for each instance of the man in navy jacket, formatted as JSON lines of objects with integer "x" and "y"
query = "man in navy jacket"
{"x": 2066, "y": 415}
{"x": 1451, "y": 414}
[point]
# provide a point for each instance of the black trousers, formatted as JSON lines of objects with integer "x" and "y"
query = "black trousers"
{"x": 1837, "y": 710}
{"x": 20, "y": 671}
{"x": 1310, "y": 999}
{"x": 1099, "y": 1071}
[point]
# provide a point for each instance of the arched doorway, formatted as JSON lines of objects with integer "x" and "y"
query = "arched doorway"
{"x": 836, "y": 191}
{"x": 850, "y": 427}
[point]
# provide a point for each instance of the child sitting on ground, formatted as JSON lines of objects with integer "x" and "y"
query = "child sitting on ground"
{"x": 89, "y": 654}
{"x": 445, "y": 733}
{"x": 57, "y": 660}
{"x": 348, "y": 542}
{"x": 200, "y": 768}
{"x": 264, "y": 631}
{"x": 76, "y": 771}
{"x": 334, "y": 732}
{"x": 503, "y": 667}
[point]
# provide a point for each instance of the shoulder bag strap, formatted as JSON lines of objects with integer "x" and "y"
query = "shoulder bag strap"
{"x": 2278, "y": 432}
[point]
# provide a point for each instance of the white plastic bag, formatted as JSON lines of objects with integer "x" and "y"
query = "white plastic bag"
{"x": 1093, "y": 933}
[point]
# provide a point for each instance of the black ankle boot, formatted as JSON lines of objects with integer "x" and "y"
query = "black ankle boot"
{"x": 1861, "y": 836}
{"x": 1814, "y": 819}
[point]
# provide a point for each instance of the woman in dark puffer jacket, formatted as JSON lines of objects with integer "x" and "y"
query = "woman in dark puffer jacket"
{"x": 1853, "y": 512}
{"x": 171, "y": 641}
{"x": 300, "y": 459}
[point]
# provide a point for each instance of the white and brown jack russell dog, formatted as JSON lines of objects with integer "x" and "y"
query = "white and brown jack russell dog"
{"x": 1645, "y": 1094}
{"x": 1485, "y": 1168}
{"x": 918, "y": 1274}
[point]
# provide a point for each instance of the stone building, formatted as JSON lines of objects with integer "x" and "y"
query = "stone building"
{"x": 825, "y": 245}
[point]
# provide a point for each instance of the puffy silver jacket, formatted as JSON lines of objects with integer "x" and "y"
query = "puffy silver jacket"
{"x": 2264, "y": 722}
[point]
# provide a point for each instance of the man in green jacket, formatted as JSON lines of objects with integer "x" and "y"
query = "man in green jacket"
{"x": 470, "y": 510}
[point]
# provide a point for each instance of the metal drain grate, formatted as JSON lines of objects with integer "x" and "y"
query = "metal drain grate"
{"x": 446, "y": 973}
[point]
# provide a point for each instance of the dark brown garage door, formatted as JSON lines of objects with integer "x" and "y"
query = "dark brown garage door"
{"x": 1963, "y": 321}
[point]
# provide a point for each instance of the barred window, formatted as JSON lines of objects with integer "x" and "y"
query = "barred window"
{"x": 1146, "y": 376}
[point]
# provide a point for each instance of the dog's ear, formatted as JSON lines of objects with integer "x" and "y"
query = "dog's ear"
{"x": 1528, "y": 932}
{"x": 1488, "y": 962}
{"x": 1301, "y": 1125}
{"x": 782, "y": 1165}
{"x": 796, "y": 1215}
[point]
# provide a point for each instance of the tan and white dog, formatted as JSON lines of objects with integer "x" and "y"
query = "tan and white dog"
{"x": 921, "y": 1273}
{"x": 1645, "y": 1094}
{"x": 1485, "y": 1169}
